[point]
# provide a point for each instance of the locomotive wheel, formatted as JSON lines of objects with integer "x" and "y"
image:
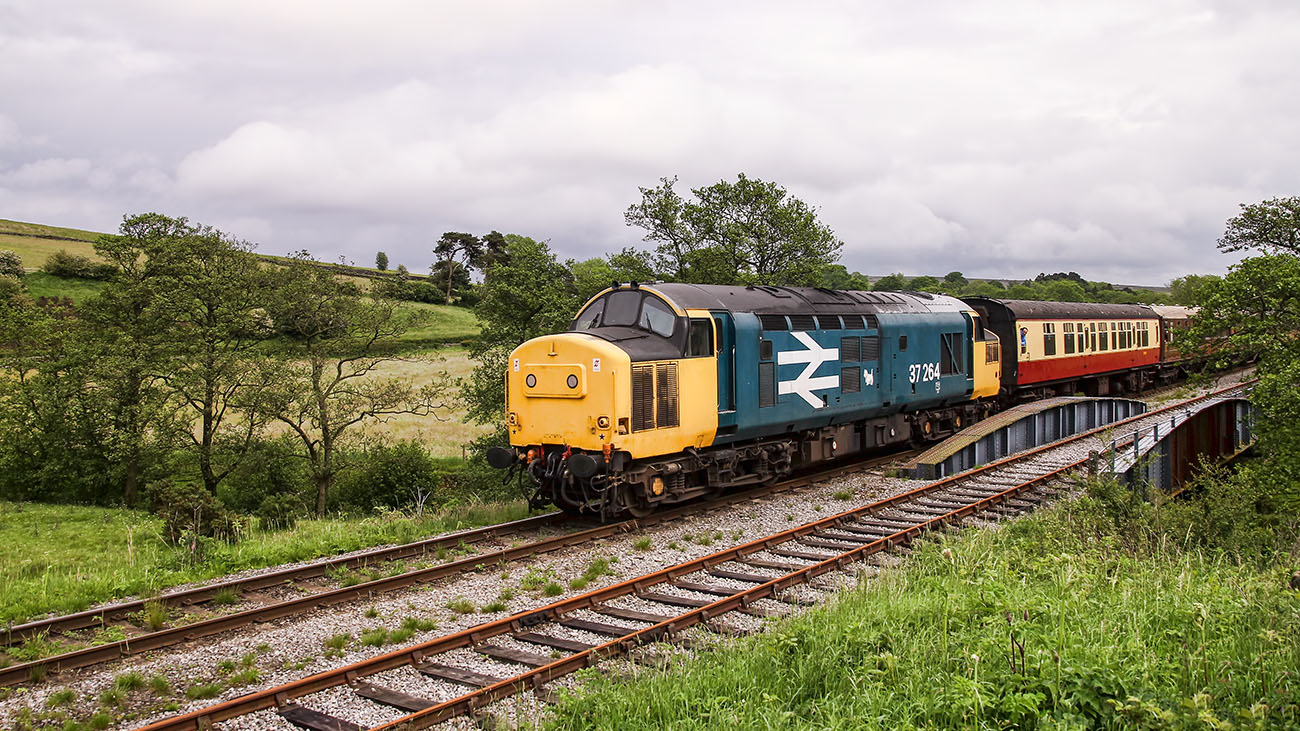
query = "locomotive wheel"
{"x": 633, "y": 503}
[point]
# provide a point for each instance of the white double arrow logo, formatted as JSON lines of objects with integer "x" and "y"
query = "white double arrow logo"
{"x": 814, "y": 356}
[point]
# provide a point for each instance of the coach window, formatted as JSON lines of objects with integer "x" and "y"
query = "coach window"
{"x": 1103, "y": 342}
{"x": 1083, "y": 337}
{"x": 1049, "y": 338}
{"x": 1114, "y": 337}
{"x": 700, "y": 342}
{"x": 1067, "y": 330}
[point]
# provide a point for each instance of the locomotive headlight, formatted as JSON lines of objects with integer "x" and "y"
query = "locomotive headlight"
{"x": 603, "y": 422}
{"x": 531, "y": 380}
{"x": 572, "y": 380}
{"x": 512, "y": 419}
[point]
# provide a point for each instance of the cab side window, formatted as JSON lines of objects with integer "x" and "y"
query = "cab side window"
{"x": 700, "y": 342}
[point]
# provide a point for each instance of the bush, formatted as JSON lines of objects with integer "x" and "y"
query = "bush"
{"x": 63, "y": 264}
{"x": 396, "y": 476}
{"x": 279, "y": 511}
{"x": 190, "y": 513}
{"x": 1236, "y": 513}
{"x": 10, "y": 287}
{"x": 400, "y": 288}
{"x": 386, "y": 476}
{"x": 11, "y": 265}
{"x": 271, "y": 475}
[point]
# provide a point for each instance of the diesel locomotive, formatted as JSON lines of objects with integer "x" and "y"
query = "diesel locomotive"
{"x": 660, "y": 393}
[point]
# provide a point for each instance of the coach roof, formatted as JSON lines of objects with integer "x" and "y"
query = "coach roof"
{"x": 1035, "y": 310}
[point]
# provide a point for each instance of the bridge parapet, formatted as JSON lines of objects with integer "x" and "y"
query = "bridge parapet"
{"x": 1017, "y": 429}
{"x": 1165, "y": 455}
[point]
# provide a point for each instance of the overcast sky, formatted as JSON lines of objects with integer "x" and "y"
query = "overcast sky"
{"x": 996, "y": 138}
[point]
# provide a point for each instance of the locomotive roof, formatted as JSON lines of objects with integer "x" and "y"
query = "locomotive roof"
{"x": 803, "y": 300}
{"x": 1029, "y": 309}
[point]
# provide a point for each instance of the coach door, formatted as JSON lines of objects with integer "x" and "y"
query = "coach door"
{"x": 726, "y": 343}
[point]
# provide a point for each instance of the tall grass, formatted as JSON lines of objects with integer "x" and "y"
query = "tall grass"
{"x": 62, "y": 558}
{"x": 1054, "y": 622}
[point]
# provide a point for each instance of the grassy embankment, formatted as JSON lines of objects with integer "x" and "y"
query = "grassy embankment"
{"x": 1062, "y": 620}
{"x": 64, "y": 558}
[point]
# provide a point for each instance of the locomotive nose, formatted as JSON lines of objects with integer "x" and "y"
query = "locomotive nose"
{"x": 562, "y": 390}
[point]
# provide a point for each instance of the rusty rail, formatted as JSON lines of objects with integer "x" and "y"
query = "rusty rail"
{"x": 108, "y": 652}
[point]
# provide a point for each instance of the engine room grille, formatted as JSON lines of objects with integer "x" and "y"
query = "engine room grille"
{"x": 773, "y": 322}
{"x": 850, "y": 349}
{"x": 851, "y": 379}
{"x": 871, "y": 348}
{"x": 852, "y": 322}
{"x": 767, "y": 384}
{"x": 643, "y": 404}
{"x": 666, "y": 394}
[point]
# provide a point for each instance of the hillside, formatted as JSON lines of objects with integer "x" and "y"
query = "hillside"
{"x": 35, "y": 242}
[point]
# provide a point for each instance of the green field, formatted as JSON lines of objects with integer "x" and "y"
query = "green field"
{"x": 65, "y": 558}
{"x": 446, "y": 325}
{"x": 1059, "y": 621}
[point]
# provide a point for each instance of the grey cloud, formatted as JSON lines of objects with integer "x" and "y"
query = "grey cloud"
{"x": 999, "y": 138}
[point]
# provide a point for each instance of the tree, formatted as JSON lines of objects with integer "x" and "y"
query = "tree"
{"x": 632, "y": 265}
{"x": 458, "y": 283}
{"x": 954, "y": 281}
{"x": 924, "y": 284}
{"x": 1254, "y": 313}
{"x": 593, "y": 275}
{"x": 494, "y": 252}
{"x": 890, "y": 283}
{"x": 527, "y": 295}
{"x": 204, "y": 290}
{"x": 1191, "y": 289}
{"x": 1063, "y": 290}
{"x": 837, "y": 276}
{"x": 329, "y": 380}
{"x": 381, "y": 261}
{"x": 56, "y": 438}
{"x": 129, "y": 349}
{"x": 457, "y": 249}
{"x": 747, "y": 232}
{"x": 1270, "y": 227}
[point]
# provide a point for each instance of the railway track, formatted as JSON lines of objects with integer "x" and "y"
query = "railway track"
{"x": 120, "y": 614}
{"x": 554, "y": 640}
